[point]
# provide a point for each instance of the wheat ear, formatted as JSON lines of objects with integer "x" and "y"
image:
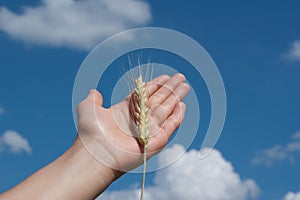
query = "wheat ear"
{"x": 141, "y": 119}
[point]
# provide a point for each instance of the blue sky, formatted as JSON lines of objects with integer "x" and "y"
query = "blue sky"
{"x": 256, "y": 46}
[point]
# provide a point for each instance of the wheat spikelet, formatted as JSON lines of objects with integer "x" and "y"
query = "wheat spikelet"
{"x": 140, "y": 112}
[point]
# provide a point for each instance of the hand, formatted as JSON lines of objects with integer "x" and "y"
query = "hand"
{"x": 109, "y": 134}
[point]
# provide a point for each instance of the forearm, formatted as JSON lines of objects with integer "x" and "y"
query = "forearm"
{"x": 74, "y": 175}
{"x": 77, "y": 174}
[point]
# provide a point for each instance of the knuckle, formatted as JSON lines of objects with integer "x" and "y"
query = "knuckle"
{"x": 168, "y": 87}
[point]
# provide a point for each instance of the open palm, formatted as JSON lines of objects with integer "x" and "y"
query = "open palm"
{"x": 109, "y": 134}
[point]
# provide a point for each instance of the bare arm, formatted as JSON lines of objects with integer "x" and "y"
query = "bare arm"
{"x": 92, "y": 164}
{"x": 74, "y": 175}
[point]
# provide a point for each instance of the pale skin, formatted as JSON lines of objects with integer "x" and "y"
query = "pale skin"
{"x": 76, "y": 174}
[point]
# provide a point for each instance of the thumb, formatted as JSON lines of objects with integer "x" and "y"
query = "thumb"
{"x": 95, "y": 97}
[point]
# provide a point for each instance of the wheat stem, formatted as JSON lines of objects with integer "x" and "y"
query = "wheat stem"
{"x": 144, "y": 173}
{"x": 141, "y": 119}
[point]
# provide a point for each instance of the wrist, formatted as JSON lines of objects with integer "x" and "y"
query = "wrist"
{"x": 88, "y": 168}
{"x": 81, "y": 176}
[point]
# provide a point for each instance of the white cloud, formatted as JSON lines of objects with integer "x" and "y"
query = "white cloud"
{"x": 14, "y": 142}
{"x": 212, "y": 178}
{"x": 296, "y": 136}
{"x": 271, "y": 155}
{"x": 2, "y": 111}
{"x": 292, "y": 196}
{"x": 278, "y": 152}
{"x": 294, "y": 52}
{"x": 72, "y": 23}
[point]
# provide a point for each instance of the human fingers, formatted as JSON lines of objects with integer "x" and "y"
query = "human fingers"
{"x": 153, "y": 85}
{"x": 174, "y": 120}
{"x": 156, "y": 83}
{"x": 172, "y": 123}
{"x": 164, "y": 91}
{"x": 163, "y": 111}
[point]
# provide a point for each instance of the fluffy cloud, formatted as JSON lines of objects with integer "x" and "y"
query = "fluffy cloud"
{"x": 14, "y": 142}
{"x": 2, "y": 111}
{"x": 294, "y": 52}
{"x": 212, "y": 178}
{"x": 72, "y": 23}
{"x": 292, "y": 196}
{"x": 278, "y": 152}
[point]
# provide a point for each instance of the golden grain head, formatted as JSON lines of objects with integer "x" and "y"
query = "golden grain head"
{"x": 141, "y": 110}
